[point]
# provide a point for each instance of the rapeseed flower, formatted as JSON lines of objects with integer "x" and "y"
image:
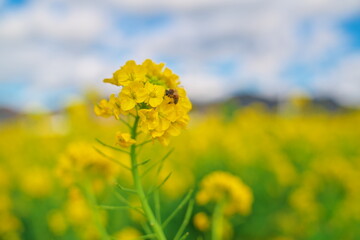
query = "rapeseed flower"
{"x": 57, "y": 222}
{"x": 150, "y": 93}
{"x": 223, "y": 187}
{"x": 80, "y": 159}
{"x": 155, "y": 94}
{"x": 124, "y": 139}
{"x": 130, "y": 72}
{"x": 201, "y": 221}
{"x": 37, "y": 182}
{"x": 132, "y": 94}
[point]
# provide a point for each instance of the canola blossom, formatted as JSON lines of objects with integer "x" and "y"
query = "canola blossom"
{"x": 152, "y": 93}
{"x": 227, "y": 189}
{"x": 229, "y": 195}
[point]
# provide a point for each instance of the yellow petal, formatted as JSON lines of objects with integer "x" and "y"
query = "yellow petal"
{"x": 154, "y": 102}
{"x": 127, "y": 104}
{"x": 141, "y": 95}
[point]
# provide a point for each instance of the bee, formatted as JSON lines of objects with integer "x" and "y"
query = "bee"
{"x": 172, "y": 93}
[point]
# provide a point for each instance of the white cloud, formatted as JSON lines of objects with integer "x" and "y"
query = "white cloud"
{"x": 55, "y": 44}
{"x": 342, "y": 81}
{"x": 204, "y": 88}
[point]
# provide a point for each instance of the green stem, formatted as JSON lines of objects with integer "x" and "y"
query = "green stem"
{"x": 217, "y": 221}
{"x": 156, "y": 227}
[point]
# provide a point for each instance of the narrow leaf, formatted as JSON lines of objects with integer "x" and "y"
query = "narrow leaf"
{"x": 184, "y": 236}
{"x": 143, "y": 163}
{"x": 123, "y": 200}
{"x": 121, "y": 197}
{"x": 109, "y": 146}
{"x": 126, "y": 189}
{"x": 112, "y": 159}
{"x": 146, "y": 228}
{"x": 157, "y": 206}
{"x": 178, "y": 208}
{"x": 164, "y": 158}
{"x": 186, "y": 220}
{"x": 107, "y": 207}
{"x": 122, "y": 208}
{"x": 157, "y": 162}
{"x": 143, "y": 143}
{"x": 125, "y": 122}
{"x": 161, "y": 184}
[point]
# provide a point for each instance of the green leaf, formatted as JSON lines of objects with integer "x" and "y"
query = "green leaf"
{"x": 109, "y": 146}
{"x": 184, "y": 236}
{"x": 107, "y": 207}
{"x": 157, "y": 206}
{"x": 161, "y": 184}
{"x": 121, "y": 197}
{"x": 178, "y": 208}
{"x": 126, "y": 189}
{"x": 146, "y": 228}
{"x": 164, "y": 158}
{"x": 143, "y": 163}
{"x": 125, "y": 122}
{"x": 112, "y": 159}
{"x": 157, "y": 162}
{"x": 143, "y": 143}
{"x": 186, "y": 220}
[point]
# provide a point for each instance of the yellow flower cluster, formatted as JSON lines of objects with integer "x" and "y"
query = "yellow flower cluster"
{"x": 152, "y": 93}
{"x": 76, "y": 215}
{"x": 80, "y": 158}
{"x": 37, "y": 182}
{"x": 227, "y": 188}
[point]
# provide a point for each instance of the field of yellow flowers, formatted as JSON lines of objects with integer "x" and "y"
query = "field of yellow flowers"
{"x": 302, "y": 171}
{"x": 242, "y": 174}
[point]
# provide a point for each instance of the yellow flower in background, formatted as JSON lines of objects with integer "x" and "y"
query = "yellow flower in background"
{"x": 10, "y": 225}
{"x": 151, "y": 93}
{"x": 127, "y": 233}
{"x": 227, "y": 188}
{"x": 37, "y": 182}
{"x": 77, "y": 210}
{"x": 81, "y": 158}
{"x": 201, "y": 221}
{"x": 124, "y": 139}
{"x": 57, "y": 222}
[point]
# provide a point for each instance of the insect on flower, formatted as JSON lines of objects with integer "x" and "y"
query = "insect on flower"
{"x": 172, "y": 93}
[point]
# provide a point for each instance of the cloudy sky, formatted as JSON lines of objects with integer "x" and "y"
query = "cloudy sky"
{"x": 51, "y": 50}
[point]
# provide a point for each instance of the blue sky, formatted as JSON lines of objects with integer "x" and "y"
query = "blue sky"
{"x": 51, "y": 51}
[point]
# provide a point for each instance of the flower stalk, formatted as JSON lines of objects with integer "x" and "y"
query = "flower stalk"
{"x": 217, "y": 221}
{"x": 152, "y": 95}
{"x": 155, "y": 225}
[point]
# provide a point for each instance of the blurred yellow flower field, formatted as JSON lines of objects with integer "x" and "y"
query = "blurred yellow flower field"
{"x": 302, "y": 170}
